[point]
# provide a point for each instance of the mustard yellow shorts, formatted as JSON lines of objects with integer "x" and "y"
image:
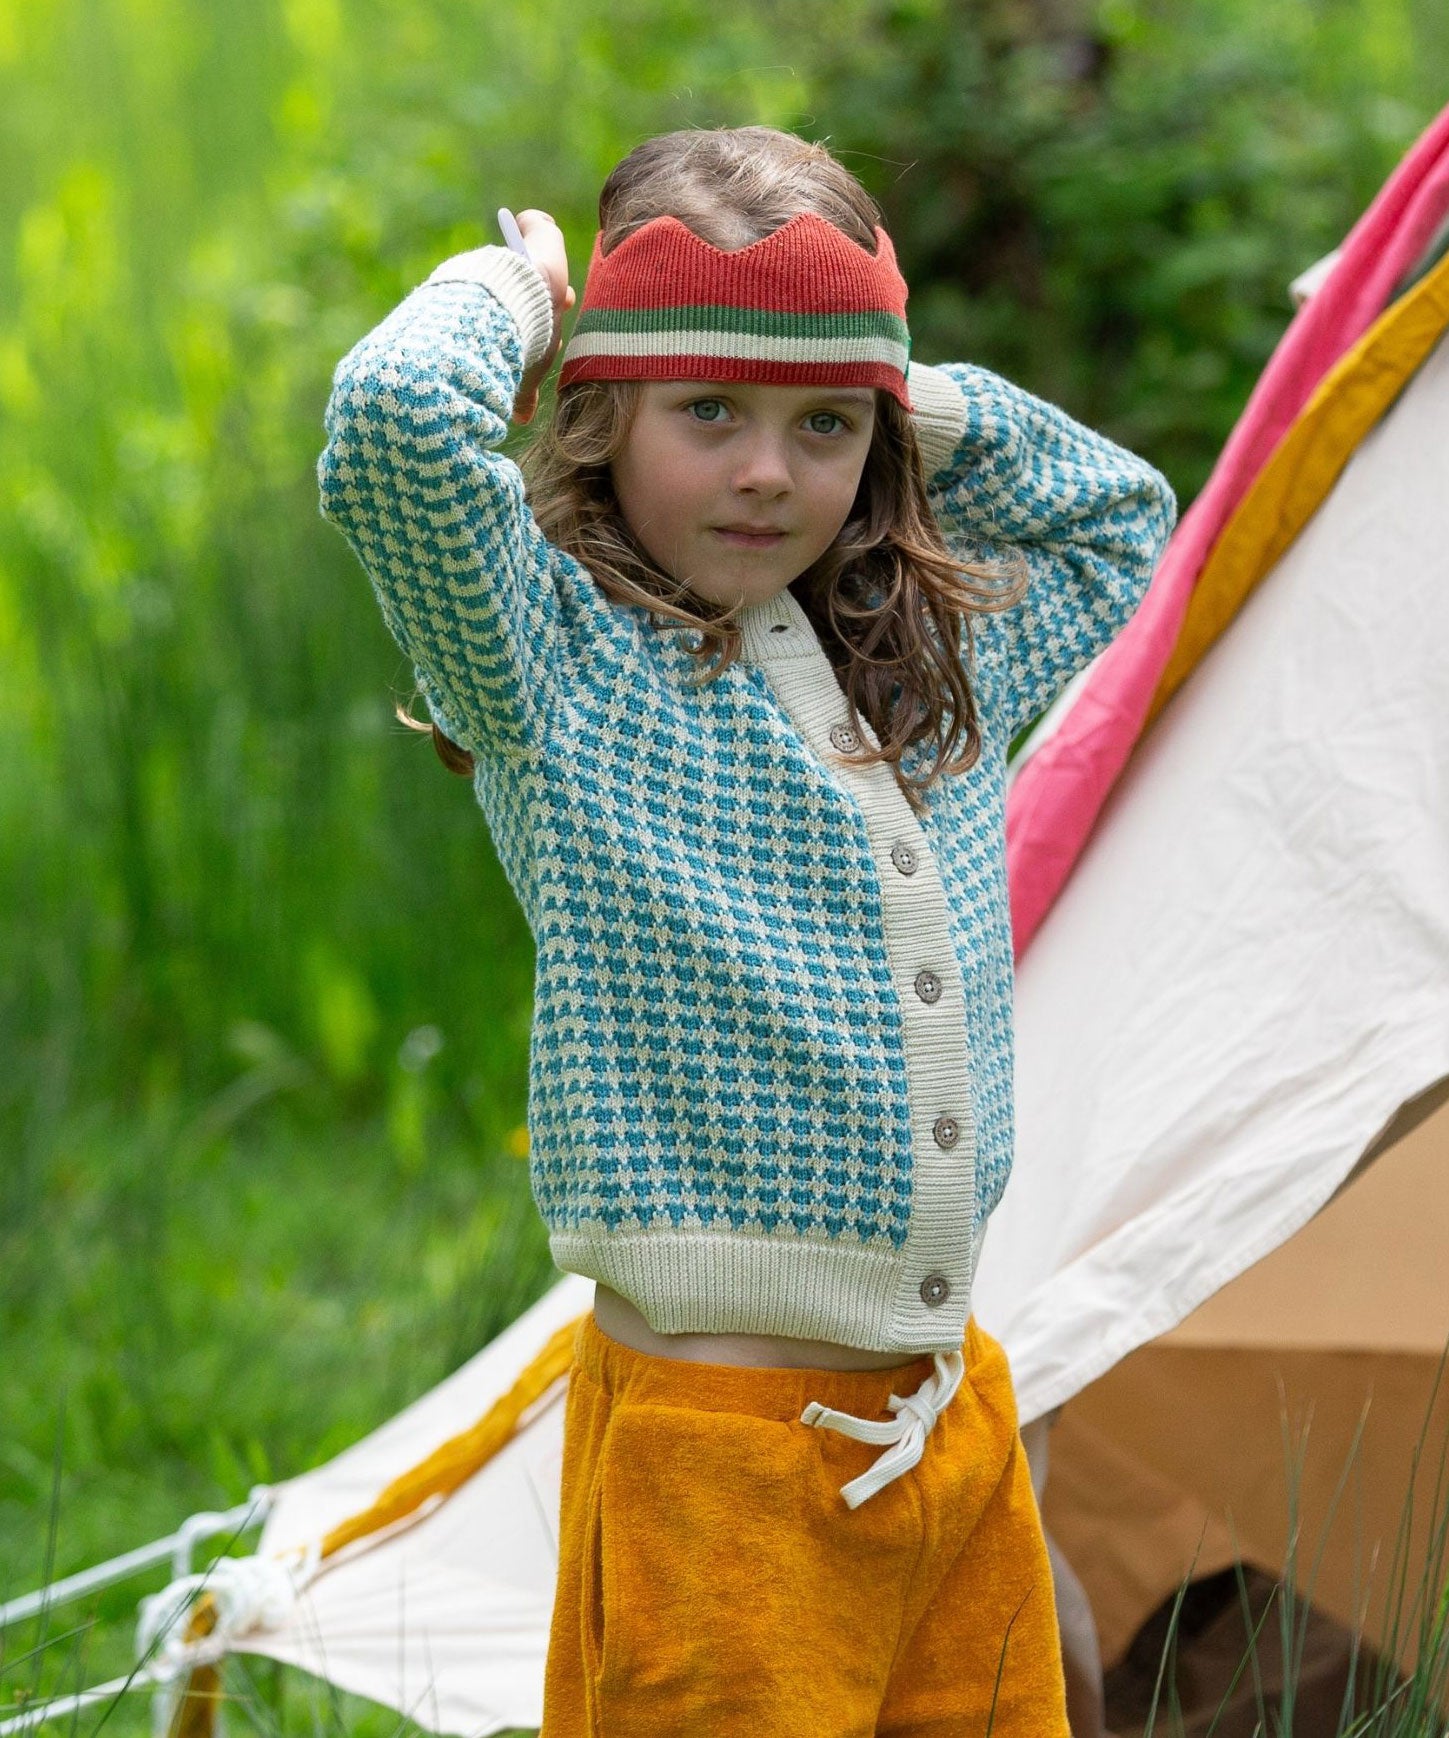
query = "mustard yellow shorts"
{"x": 713, "y": 1581}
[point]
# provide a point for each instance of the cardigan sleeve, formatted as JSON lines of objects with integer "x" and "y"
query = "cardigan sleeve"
{"x": 1090, "y": 518}
{"x": 411, "y": 473}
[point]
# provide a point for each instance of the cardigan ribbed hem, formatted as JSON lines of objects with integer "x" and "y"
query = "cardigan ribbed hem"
{"x": 517, "y": 284}
{"x": 938, "y": 409}
{"x": 695, "y": 1281}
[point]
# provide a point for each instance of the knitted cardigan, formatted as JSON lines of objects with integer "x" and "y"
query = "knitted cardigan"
{"x": 770, "y": 1077}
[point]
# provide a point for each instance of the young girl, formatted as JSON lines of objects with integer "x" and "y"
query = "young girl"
{"x": 735, "y": 678}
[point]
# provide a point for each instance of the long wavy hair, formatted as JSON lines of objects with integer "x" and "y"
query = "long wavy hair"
{"x": 890, "y": 603}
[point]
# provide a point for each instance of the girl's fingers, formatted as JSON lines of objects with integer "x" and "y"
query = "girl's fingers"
{"x": 545, "y": 240}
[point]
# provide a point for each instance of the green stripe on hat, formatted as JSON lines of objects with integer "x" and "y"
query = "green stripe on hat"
{"x": 759, "y": 322}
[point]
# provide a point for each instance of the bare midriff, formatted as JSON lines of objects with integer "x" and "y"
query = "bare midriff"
{"x": 619, "y": 1319}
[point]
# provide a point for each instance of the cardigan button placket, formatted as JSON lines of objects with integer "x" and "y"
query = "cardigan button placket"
{"x": 916, "y": 929}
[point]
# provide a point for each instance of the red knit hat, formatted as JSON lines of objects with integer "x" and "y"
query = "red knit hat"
{"x": 803, "y": 306}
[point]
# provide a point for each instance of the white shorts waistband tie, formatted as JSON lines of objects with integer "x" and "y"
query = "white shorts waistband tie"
{"x": 916, "y": 1415}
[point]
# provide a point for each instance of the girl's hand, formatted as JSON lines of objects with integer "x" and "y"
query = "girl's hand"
{"x": 546, "y": 248}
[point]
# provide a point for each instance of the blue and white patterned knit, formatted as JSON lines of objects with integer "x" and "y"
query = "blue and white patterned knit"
{"x": 770, "y": 1083}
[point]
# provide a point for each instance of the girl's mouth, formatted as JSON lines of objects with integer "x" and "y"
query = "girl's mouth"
{"x": 749, "y": 539}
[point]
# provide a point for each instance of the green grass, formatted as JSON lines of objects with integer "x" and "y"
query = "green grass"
{"x": 192, "y": 1322}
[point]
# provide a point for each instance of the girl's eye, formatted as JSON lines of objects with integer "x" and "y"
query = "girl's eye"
{"x": 715, "y": 411}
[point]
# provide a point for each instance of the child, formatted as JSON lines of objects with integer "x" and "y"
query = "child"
{"x": 735, "y": 680}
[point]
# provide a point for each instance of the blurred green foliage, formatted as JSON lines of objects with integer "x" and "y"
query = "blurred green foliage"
{"x": 1107, "y": 204}
{"x": 265, "y": 1000}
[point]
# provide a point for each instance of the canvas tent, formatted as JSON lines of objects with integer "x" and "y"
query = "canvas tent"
{"x": 1229, "y": 849}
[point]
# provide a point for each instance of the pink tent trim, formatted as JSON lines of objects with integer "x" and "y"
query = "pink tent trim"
{"x": 1058, "y": 794}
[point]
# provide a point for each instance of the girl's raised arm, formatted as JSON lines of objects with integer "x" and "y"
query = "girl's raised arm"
{"x": 1090, "y": 518}
{"x": 411, "y": 473}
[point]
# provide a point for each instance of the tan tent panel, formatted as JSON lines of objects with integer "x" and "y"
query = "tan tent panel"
{"x": 1160, "y": 1465}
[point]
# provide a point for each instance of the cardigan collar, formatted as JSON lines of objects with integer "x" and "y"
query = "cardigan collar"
{"x": 777, "y": 631}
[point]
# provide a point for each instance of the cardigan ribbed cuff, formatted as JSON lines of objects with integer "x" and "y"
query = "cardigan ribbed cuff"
{"x": 938, "y": 409}
{"x": 517, "y": 284}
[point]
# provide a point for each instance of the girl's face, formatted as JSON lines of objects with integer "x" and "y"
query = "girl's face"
{"x": 734, "y": 488}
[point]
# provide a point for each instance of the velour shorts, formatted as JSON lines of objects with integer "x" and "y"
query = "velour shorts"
{"x": 712, "y": 1580}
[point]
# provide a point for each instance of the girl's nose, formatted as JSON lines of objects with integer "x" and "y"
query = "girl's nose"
{"x": 763, "y": 467}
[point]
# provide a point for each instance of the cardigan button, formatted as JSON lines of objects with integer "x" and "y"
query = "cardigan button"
{"x": 903, "y": 857}
{"x": 946, "y": 1130}
{"x": 844, "y": 737}
{"x": 935, "y": 1289}
{"x": 928, "y": 986}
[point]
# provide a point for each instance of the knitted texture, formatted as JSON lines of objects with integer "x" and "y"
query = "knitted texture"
{"x": 805, "y": 305}
{"x": 770, "y": 1084}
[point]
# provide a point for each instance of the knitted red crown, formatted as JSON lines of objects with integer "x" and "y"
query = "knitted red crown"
{"x": 803, "y": 306}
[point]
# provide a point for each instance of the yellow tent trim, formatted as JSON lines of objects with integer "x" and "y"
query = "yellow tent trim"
{"x": 195, "y": 1715}
{"x": 1304, "y": 466}
{"x": 455, "y": 1462}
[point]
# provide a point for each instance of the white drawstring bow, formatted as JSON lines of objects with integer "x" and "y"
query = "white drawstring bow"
{"x": 916, "y": 1416}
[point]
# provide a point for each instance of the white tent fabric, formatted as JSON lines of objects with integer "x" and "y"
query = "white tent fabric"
{"x": 447, "y": 1618}
{"x": 1246, "y": 977}
{"x": 1248, "y": 972}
